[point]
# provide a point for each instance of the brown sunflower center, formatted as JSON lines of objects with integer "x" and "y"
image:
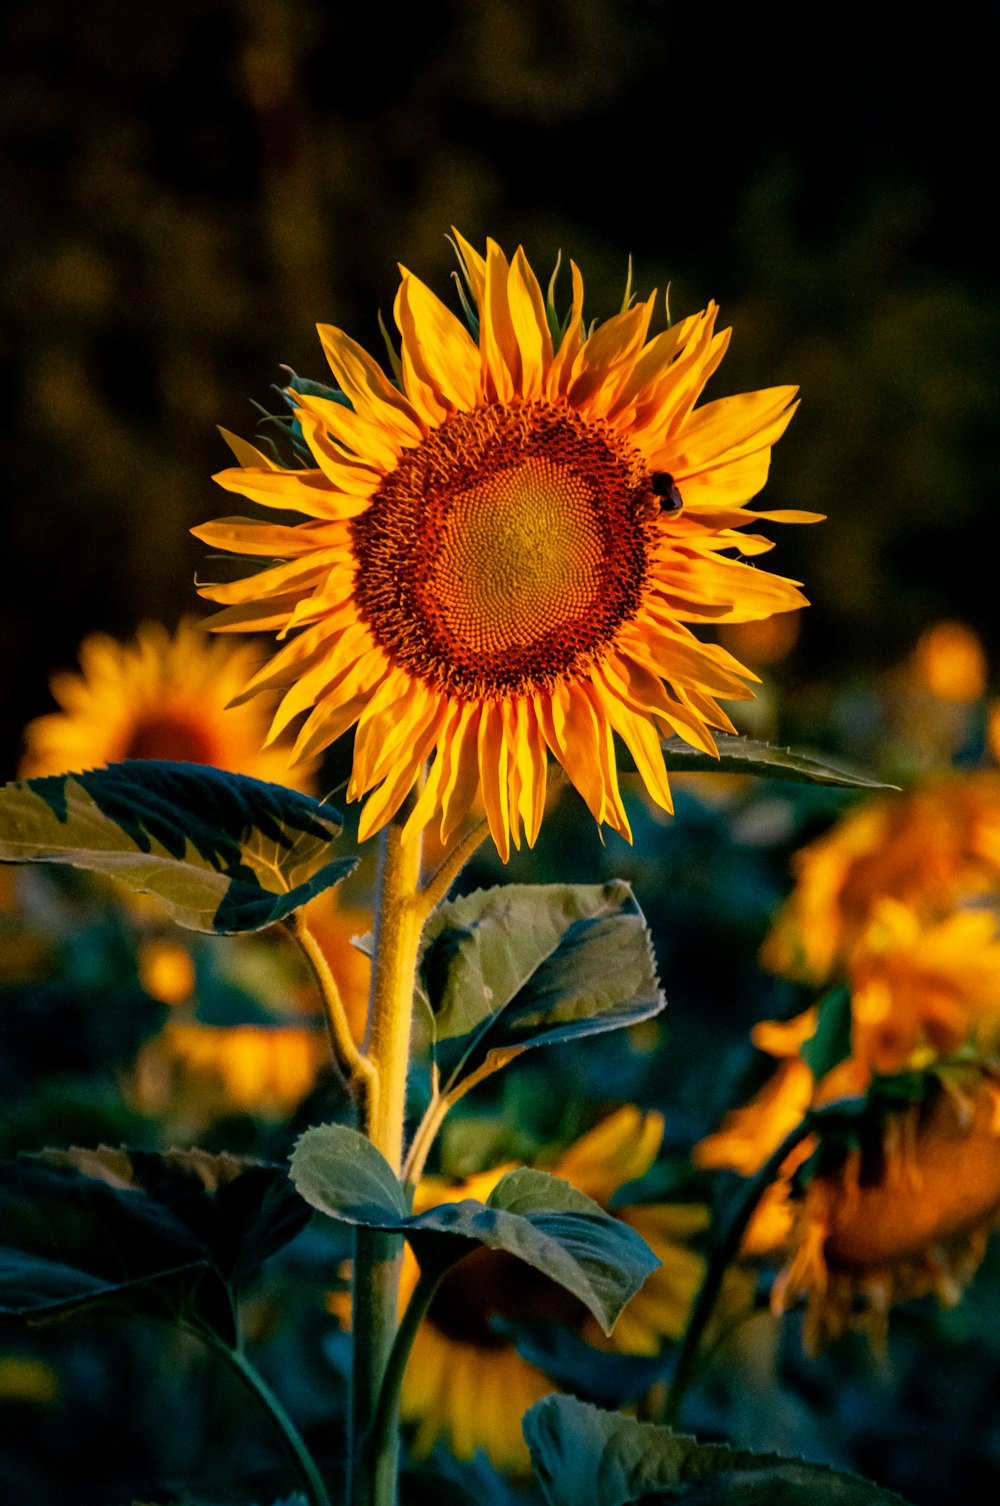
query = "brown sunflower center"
{"x": 492, "y": 1284}
{"x": 170, "y": 737}
{"x": 505, "y": 550}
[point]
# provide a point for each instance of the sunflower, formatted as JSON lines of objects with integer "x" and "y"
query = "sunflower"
{"x": 198, "y": 1073}
{"x": 502, "y": 550}
{"x": 906, "y": 1218}
{"x": 928, "y": 848}
{"x": 161, "y": 695}
{"x": 919, "y": 991}
{"x": 465, "y": 1380}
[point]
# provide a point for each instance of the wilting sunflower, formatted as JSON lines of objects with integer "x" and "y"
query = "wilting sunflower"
{"x": 465, "y": 1380}
{"x": 928, "y": 847}
{"x": 503, "y": 549}
{"x": 161, "y": 695}
{"x": 923, "y": 990}
{"x": 907, "y": 1217}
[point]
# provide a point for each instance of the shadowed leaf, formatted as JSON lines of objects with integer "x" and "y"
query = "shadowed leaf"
{"x": 745, "y": 755}
{"x": 224, "y": 853}
{"x": 527, "y": 965}
{"x": 580, "y": 1453}
{"x": 174, "y": 1233}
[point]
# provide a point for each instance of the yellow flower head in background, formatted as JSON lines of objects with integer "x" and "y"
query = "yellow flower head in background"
{"x": 161, "y": 695}
{"x": 502, "y": 550}
{"x": 467, "y": 1382}
{"x": 923, "y": 990}
{"x": 927, "y": 847}
{"x": 906, "y": 1221}
{"x": 950, "y": 662}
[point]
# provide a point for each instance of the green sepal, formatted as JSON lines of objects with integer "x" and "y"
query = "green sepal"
{"x": 525, "y": 965}
{"x": 745, "y": 755}
{"x": 830, "y": 1043}
{"x": 538, "y": 1218}
{"x": 224, "y": 853}
{"x": 175, "y": 1234}
{"x": 582, "y": 1454}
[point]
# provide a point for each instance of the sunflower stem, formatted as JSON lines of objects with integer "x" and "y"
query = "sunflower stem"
{"x": 359, "y": 1070}
{"x": 424, "y": 1137}
{"x": 386, "y": 1423}
{"x": 722, "y": 1256}
{"x": 437, "y": 886}
{"x": 312, "y": 1483}
{"x": 378, "y": 1257}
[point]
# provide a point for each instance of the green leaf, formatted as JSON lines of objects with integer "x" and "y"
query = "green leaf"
{"x": 341, "y": 1173}
{"x": 178, "y": 1232}
{"x": 224, "y": 853}
{"x": 583, "y": 1454}
{"x": 527, "y": 965}
{"x": 607, "y": 1378}
{"x": 830, "y": 1043}
{"x": 744, "y": 755}
{"x": 536, "y": 1217}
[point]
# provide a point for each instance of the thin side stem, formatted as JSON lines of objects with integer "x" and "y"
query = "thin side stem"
{"x": 424, "y": 1137}
{"x": 386, "y": 1423}
{"x": 441, "y": 880}
{"x": 305, "y": 1464}
{"x": 356, "y": 1067}
{"x": 724, "y": 1253}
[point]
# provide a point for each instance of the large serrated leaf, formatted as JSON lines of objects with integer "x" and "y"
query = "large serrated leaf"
{"x": 177, "y": 1232}
{"x": 223, "y": 852}
{"x": 527, "y": 965}
{"x": 538, "y": 1218}
{"x": 745, "y": 755}
{"x": 581, "y": 1453}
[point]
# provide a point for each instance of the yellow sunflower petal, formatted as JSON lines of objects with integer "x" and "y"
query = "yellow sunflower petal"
{"x": 490, "y": 572}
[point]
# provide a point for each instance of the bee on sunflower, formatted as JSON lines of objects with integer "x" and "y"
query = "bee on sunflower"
{"x": 503, "y": 550}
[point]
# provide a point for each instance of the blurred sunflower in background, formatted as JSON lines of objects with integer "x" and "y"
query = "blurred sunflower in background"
{"x": 160, "y": 695}
{"x": 929, "y": 847}
{"x": 893, "y": 1193}
{"x": 907, "y": 1215}
{"x": 503, "y": 549}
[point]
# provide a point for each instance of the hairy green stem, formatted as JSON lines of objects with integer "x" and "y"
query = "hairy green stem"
{"x": 385, "y": 1426}
{"x": 722, "y": 1256}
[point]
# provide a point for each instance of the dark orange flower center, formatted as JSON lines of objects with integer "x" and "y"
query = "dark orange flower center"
{"x": 951, "y": 1187}
{"x": 492, "y": 1284}
{"x": 506, "y": 549}
{"x": 170, "y": 737}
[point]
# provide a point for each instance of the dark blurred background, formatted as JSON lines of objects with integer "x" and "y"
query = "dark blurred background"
{"x": 188, "y": 188}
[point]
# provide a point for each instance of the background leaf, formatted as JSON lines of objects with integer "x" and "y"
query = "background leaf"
{"x": 223, "y": 852}
{"x": 581, "y": 1453}
{"x": 178, "y": 1232}
{"x": 745, "y": 755}
{"x": 527, "y": 965}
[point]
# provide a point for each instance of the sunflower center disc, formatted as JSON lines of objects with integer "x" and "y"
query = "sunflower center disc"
{"x": 505, "y": 550}
{"x": 170, "y": 737}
